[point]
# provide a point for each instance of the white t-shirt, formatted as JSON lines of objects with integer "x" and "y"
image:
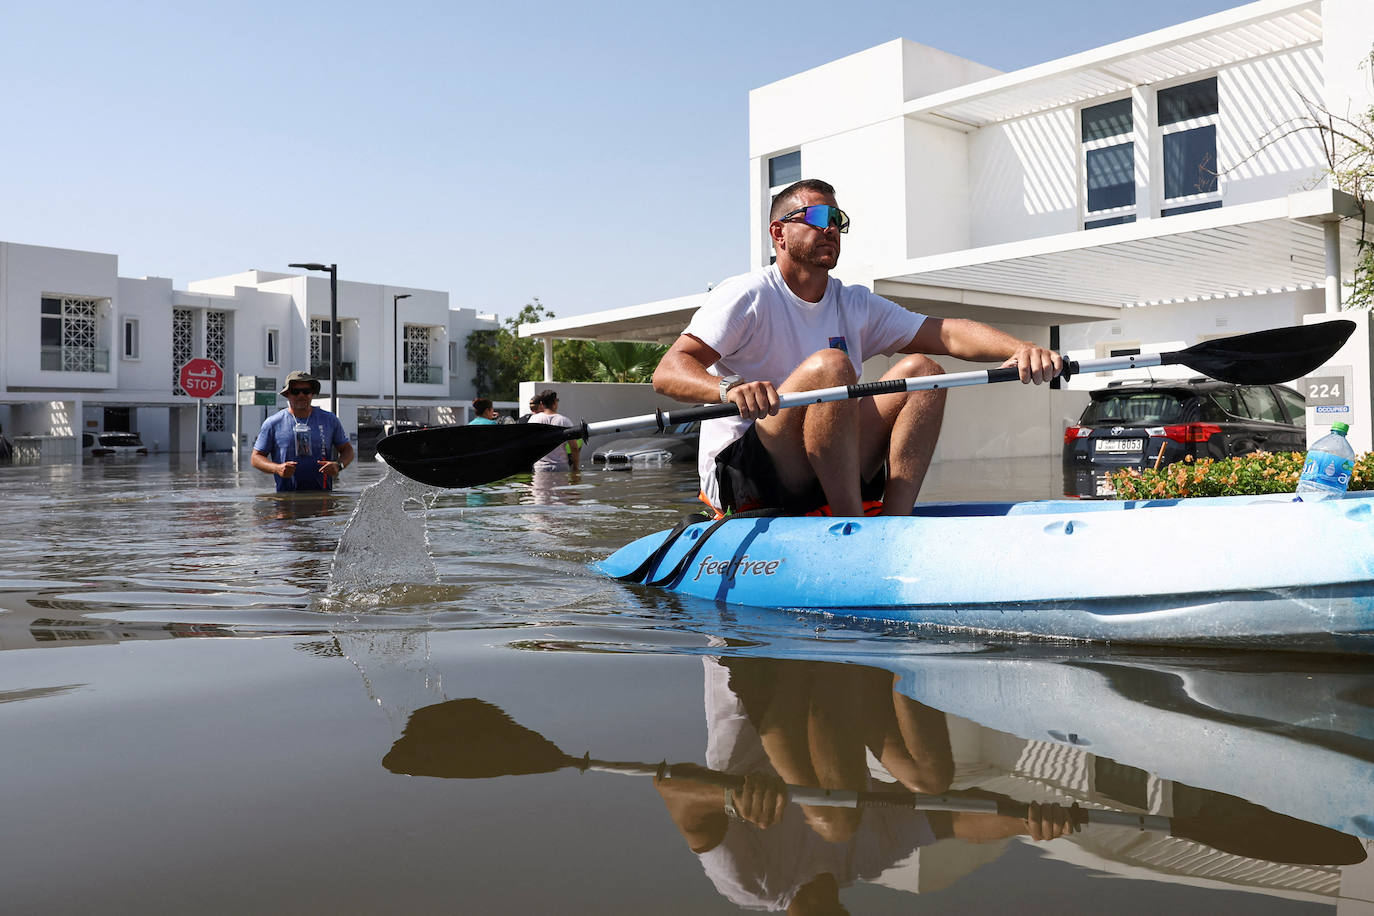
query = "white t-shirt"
{"x": 556, "y": 459}
{"x": 764, "y": 869}
{"x": 763, "y": 331}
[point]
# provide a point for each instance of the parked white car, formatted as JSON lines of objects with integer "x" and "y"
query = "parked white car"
{"x": 95, "y": 445}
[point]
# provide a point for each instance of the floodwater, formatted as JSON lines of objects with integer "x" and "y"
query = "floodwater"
{"x": 203, "y": 709}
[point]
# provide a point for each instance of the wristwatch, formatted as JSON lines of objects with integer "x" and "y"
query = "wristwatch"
{"x": 730, "y": 381}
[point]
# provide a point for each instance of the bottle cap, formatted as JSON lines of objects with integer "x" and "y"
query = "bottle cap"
{"x": 1341, "y": 428}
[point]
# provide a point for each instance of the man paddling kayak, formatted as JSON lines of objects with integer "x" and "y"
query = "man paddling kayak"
{"x": 793, "y": 327}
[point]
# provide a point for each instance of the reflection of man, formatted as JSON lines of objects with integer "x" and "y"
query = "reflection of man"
{"x": 813, "y": 724}
{"x": 294, "y": 443}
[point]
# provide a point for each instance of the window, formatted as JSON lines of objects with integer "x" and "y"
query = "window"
{"x": 321, "y": 345}
{"x": 130, "y": 350}
{"x": 1108, "y": 164}
{"x": 1261, "y": 404}
{"x": 1296, "y": 405}
{"x": 784, "y": 170}
{"x": 1139, "y": 407}
{"x": 1228, "y": 400}
{"x": 1188, "y": 116}
{"x": 69, "y": 333}
{"x": 183, "y": 344}
{"x": 273, "y": 347}
{"x": 217, "y": 336}
{"x": 1183, "y": 169}
{"x": 415, "y": 357}
{"x": 453, "y": 357}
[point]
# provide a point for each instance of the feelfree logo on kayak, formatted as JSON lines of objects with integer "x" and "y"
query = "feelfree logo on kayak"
{"x": 739, "y": 566}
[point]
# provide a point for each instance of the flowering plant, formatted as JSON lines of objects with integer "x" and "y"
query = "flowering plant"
{"x": 1247, "y": 475}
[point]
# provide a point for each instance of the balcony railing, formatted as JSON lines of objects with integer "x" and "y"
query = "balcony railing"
{"x": 423, "y": 375}
{"x": 73, "y": 359}
{"x": 346, "y": 371}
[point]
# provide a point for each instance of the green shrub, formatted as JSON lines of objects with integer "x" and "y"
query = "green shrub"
{"x": 1256, "y": 473}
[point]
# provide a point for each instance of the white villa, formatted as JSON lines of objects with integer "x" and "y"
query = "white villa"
{"x": 1116, "y": 200}
{"x": 85, "y": 350}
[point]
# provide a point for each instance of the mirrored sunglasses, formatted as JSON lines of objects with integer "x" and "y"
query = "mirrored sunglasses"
{"x": 821, "y": 216}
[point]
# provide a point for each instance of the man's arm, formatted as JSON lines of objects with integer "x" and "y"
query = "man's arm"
{"x": 1042, "y": 822}
{"x": 978, "y": 342}
{"x": 682, "y": 376}
{"x": 263, "y": 462}
{"x": 345, "y": 457}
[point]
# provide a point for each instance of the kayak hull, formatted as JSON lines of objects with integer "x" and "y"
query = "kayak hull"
{"x": 1218, "y": 571}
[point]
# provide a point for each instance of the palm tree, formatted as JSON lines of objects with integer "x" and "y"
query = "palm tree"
{"x": 623, "y": 361}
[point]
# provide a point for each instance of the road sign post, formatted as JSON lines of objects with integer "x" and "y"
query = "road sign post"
{"x": 254, "y": 391}
{"x": 201, "y": 378}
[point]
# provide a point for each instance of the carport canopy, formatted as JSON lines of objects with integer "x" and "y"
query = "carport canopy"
{"x": 1293, "y": 243}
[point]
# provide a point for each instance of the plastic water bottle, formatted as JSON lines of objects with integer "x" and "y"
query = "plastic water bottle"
{"x": 1329, "y": 463}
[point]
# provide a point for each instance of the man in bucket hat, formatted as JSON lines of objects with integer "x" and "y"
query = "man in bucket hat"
{"x": 295, "y": 444}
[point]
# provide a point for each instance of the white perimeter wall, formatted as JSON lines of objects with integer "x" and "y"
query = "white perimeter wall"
{"x": 593, "y": 401}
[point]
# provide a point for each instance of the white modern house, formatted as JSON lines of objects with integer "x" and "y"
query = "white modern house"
{"x": 1139, "y": 196}
{"x": 84, "y": 350}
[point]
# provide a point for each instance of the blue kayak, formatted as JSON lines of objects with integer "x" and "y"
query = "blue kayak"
{"x": 1233, "y": 571}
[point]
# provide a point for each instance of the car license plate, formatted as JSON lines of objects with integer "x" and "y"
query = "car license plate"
{"x": 1120, "y": 445}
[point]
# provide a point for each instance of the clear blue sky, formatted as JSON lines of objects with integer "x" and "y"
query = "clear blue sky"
{"x": 591, "y": 154}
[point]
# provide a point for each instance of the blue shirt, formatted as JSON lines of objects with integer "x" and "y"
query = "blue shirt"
{"x": 321, "y": 433}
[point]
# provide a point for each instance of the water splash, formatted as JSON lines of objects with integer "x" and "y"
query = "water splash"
{"x": 383, "y": 543}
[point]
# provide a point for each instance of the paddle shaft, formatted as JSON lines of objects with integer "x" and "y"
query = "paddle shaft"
{"x": 460, "y": 456}
{"x": 862, "y": 798}
{"x": 661, "y": 419}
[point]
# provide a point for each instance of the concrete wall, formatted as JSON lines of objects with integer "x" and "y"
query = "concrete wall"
{"x": 461, "y": 323}
{"x": 593, "y": 401}
{"x": 1027, "y": 174}
{"x": 27, "y": 274}
{"x": 1346, "y": 37}
{"x": 846, "y": 118}
{"x": 1024, "y": 178}
{"x": 1173, "y": 327}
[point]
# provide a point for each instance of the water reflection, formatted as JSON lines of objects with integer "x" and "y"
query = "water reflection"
{"x": 248, "y": 663}
{"x": 918, "y": 797}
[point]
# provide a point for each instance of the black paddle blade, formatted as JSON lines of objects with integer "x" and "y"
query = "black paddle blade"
{"x": 470, "y": 739}
{"x": 464, "y": 456}
{"x": 1266, "y": 357}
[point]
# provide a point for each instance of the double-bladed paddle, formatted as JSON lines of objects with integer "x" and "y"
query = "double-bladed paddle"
{"x": 474, "y": 739}
{"x": 465, "y": 456}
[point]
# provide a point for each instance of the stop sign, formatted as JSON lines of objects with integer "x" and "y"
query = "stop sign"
{"x": 200, "y": 377}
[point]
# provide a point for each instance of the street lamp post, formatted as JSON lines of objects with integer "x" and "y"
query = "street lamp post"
{"x": 333, "y": 330}
{"x": 396, "y": 343}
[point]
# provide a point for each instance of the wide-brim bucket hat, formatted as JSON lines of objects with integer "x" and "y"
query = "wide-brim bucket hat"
{"x": 300, "y": 376}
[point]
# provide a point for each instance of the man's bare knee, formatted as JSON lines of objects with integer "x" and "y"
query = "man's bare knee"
{"x": 824, "y": 367}
{"x": 914, "y": 365}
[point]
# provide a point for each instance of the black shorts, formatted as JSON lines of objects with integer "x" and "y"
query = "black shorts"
{"x": 748, "y": 480}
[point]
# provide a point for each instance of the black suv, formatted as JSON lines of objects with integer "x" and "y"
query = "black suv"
{"x": 1146, "y": 424}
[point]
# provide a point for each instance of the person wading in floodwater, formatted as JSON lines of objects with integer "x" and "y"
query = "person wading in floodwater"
{"x": 294, "y": 443}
